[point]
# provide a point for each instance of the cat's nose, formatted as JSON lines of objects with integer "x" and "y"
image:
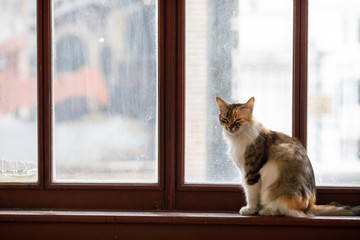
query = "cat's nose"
{"x": 230, "y": 129}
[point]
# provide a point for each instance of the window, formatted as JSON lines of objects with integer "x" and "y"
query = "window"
{"x": 334, "y": 112}
{"x": 124, "y": 96}
{"x": 91, "y": 130}
{"x": 105, "y": 127}
{"x": 238, "y": 49}
{"x": 227, "y": 56}
{"x": 18, "y": 93}
{"x": 70, "y": 54}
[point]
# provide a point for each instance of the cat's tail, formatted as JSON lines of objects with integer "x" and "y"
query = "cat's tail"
{"x": 334, "y": 209}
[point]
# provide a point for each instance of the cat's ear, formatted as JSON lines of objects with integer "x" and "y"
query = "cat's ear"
{"x": 250, "y": 104}
{"x": 222, "y": 104}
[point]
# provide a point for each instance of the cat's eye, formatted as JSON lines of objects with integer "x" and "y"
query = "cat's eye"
{"x": 224, "y": 120}
{"x": 238, "y": 122}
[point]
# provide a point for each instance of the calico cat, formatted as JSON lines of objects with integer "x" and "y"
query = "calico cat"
{"x": 278, "y": 178}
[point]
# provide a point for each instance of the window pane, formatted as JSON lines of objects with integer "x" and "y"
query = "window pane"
{"x": 18, "y": 92}
{"x": 334, "y": 91}
{"x": 235, "y": 50}
{"x": 105, "y": 91}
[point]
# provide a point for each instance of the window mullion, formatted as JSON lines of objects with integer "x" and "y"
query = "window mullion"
{"x": 40, "y": 88}
{"x": 300, "y": 70}
{"x": 46, "y": 70}
{"x": 171, "y": 103}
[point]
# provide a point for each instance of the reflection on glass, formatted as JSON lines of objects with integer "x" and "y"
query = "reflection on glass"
{"x": 334, "y": 91}
{"x": 105, "y": 91}
{"x": 18, "y": 94}
{"x": 234, "y": 50}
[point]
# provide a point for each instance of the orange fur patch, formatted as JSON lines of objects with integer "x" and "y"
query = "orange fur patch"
{"x": 296, "y": 203}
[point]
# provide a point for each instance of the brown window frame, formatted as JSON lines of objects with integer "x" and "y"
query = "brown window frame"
{"x": 171, "y": 193}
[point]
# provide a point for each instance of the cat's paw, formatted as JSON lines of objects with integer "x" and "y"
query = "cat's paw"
{"x": 267, "y": 212}
{"x": 270, "y": 212}
{"x": 247, "y": 211}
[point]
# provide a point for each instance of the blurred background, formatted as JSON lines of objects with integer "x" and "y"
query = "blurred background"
{"x": 105, "y": 86}
{"x": 104, "y": 91}
{"x": 18, "y": 91}
{"x": 334, "y": 91}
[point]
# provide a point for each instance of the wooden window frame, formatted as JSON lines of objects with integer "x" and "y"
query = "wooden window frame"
{"x": 47, "y": 194}
{"x": 171, "y": 193}
{"x": 226, "y": 197}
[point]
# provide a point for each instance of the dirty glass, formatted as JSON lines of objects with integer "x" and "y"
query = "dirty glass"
{"x": 334, "y": 91}
{"x": 18, "y": 92}
{"x": 105, "y": 106}
{"x": 235, "y": 50}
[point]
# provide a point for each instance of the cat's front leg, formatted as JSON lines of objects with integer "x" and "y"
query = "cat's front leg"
{"x": 252, "y": 193}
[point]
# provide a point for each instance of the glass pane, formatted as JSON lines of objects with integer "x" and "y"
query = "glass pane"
{"x": 334, "y": 91}
{"x": 18, "y": 92}
{"x": 105, "y": 91}
{"x": 235, "y": 50}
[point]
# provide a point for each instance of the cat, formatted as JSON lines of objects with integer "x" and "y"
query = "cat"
{"x": 278, "y": 178}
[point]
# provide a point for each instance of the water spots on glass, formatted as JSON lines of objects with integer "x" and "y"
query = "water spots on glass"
{"x": 234, "y": 50}
{"x": 105, "y": 91}
{"x": 18, "y": 92}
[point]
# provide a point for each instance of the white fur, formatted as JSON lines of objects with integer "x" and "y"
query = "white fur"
{"x": 269, "y": 174}
{"x": 252, "y": 193}
{"x": 238, "y": 142}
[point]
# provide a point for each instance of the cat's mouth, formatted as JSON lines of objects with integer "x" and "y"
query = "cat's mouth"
{"x": 232, "y": 131}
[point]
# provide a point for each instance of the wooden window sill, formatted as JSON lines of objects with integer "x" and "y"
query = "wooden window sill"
{"x": 171, "y": 225}
{"x": 170, "y": 217}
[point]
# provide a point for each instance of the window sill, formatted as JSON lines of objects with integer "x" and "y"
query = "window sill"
{"x": 176, "y": 225}
{"x": 171, "y": 217}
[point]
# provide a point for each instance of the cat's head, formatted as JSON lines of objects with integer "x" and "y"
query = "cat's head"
{"x": 235, "y": 117}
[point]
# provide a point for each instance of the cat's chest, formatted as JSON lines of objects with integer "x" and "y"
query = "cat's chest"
{"x": 237, "y": 153}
